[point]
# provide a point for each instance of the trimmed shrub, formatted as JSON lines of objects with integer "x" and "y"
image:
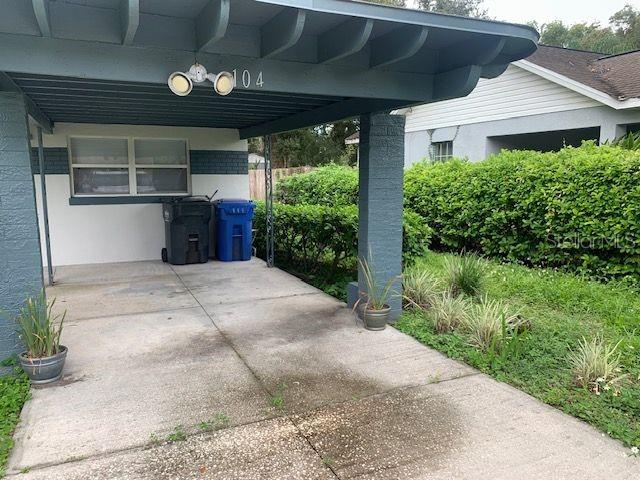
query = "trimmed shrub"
{"x": 308, "y": 236}
{"x": 322, "y": 240}
{"x": 332, "y": 185}
{"x": 416, "y": 236}
{"x": 577, "y": 209}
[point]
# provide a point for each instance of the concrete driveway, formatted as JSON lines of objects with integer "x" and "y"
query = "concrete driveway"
{"x": 287, "y": 385}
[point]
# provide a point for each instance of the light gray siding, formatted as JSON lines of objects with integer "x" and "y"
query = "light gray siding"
{"x": 515, "y": 93}
{"x": 473, "y": 140}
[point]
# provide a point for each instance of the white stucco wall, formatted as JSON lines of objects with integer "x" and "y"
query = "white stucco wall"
{"x": 83, "y": 234}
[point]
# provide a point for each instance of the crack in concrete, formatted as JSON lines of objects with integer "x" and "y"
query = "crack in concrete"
{"x": 253, "y": 373}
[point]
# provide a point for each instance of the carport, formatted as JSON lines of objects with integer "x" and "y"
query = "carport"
{"x": 296, "y": 63}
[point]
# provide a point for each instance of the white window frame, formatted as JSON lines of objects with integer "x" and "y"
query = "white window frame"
{"x": 437, "y": 155}
{"x": 132, "y": 166}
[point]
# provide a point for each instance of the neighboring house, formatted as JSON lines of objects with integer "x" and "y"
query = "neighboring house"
{"x": 556, "y": 96}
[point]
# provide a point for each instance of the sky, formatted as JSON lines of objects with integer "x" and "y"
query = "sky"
{"x": 545, "y": 11}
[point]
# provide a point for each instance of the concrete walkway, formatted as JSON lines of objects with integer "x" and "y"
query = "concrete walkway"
{"x": 308, "y": 393}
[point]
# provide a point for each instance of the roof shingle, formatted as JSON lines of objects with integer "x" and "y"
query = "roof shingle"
{"x": 615, "y": 75}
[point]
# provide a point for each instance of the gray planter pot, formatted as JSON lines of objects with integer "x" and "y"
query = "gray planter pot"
{"x": 375, "y": 319}
{"x": 46, "y": 369}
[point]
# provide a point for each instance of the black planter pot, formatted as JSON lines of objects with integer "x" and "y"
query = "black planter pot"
{"x": 45, "y": 369}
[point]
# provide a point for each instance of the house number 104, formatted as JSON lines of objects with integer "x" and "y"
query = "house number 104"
{"x": 244, "y": 77}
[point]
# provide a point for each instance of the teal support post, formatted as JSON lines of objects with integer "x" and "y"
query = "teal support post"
{"x": 20, "y": 256}
{"x": 45, "y": 207}
{"x": 380, "y": 203}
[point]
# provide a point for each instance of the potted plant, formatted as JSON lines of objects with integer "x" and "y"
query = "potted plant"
{"x": 40, "y": 330}
{"x": 372, "y": 305}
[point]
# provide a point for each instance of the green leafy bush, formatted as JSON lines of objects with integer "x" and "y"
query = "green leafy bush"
{"x": 318, "y": 241}
{"x": 332, "y": 185}
{"x": 416, "y": 236}
{"x": 577, "y": 209}
{"x": 310, "y": 235}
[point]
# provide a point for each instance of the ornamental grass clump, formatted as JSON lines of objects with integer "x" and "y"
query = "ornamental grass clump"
{"x": 376, "y": 294}
{"x": 39, "y": 328}
{"x": 420, "y": 288}
{"x": 448, "y": 312}
{"x": 489, "y": 323}
{"x": 595, "y": 364}
{"x": 465, "y": 274}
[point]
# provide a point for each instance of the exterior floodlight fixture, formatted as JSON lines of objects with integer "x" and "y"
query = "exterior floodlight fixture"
{"x": 181, "y": 83}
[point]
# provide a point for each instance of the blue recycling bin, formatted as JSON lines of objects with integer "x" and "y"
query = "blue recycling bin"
{"x": 233, "y": 224}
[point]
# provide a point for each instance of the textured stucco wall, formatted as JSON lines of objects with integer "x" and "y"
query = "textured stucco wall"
{"x": 20, "y": 267}
{"x": 471, "y": 140}
{"x": 380, "y": 202}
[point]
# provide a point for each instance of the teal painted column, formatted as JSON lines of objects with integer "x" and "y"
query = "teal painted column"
{"x": 380, "y": 203}
{"x": 20, "y": 257}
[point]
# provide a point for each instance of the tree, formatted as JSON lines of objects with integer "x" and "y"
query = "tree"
{"x": 394, "y": 3}
{"x": 464, "y": 8}
{"x": 627, "y": 25}
{"x": 622, "y": 36}
{"x": 310, "y": 146}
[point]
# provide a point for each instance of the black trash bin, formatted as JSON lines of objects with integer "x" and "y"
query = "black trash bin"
{"x": 186, "y": 227}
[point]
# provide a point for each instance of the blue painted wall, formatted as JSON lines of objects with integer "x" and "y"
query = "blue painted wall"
{"x": 20, "y": 258}
{"x": 56, "y": 161}
{"x": 219, "y": 162}
{"x": 380, "y": 201}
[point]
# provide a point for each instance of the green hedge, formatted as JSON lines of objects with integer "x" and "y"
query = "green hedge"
{"x": 578, "y": 209}
{"x": 317, "y": 240}
{"x": 331, "y": 185}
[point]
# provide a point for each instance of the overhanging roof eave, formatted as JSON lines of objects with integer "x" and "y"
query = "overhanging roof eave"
{"x": 389, "y": 13}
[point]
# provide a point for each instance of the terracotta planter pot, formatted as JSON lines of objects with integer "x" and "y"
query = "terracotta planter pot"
{"x": 45, "y": 369}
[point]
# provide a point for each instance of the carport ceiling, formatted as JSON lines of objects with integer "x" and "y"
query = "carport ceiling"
{"x": 317, "y": 60}
{"x": 102, "y": 101}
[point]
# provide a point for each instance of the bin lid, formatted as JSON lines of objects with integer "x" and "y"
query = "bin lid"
{"x": 241, "y": 201}
{"x": 234, "y": 205}
{"x": 192, "y": 199}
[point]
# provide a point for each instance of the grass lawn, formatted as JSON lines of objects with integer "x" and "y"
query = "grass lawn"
{"x": 14, "y": 391}
{"x": 561, "y": 309}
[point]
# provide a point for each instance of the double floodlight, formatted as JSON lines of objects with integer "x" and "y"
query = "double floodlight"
{"x": 181, "y": 83}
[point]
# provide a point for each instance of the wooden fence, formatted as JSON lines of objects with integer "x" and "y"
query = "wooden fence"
{"x": 256, "y": 179}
